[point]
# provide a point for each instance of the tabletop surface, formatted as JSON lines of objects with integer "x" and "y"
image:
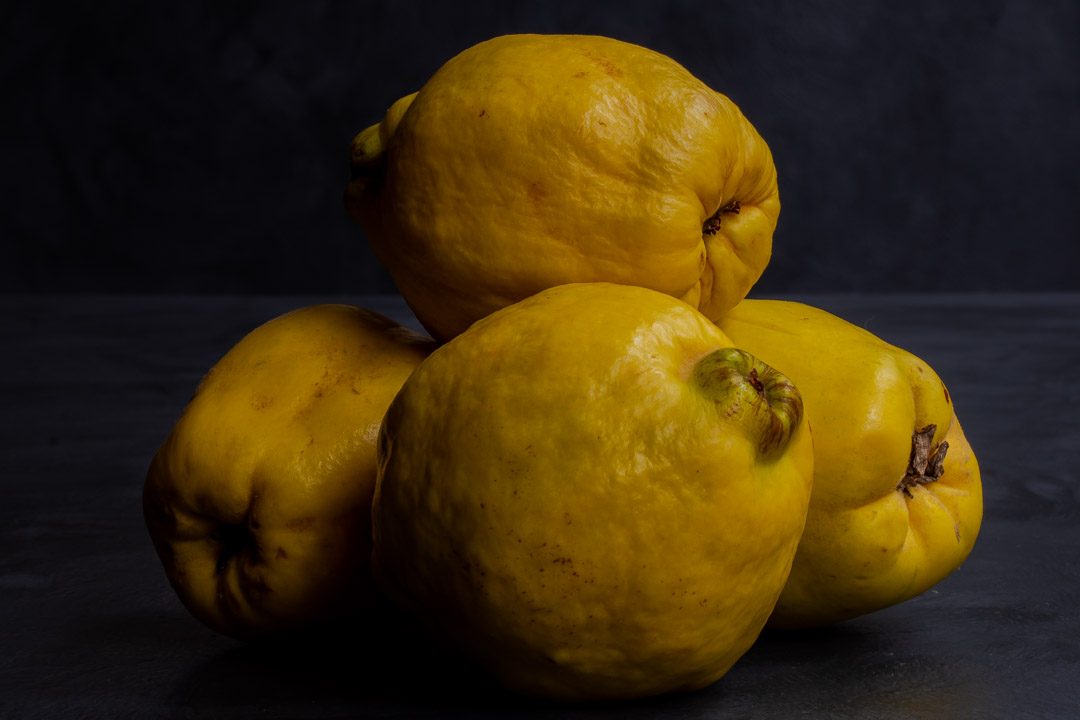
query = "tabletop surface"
{"x": 91, "y": 628}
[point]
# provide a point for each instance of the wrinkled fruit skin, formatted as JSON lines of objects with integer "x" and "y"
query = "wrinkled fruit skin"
{"x": 259, "y": 500}
{"x": 593, "y": 494}
{"x": 530, "y": 161}
{"x": 871, "y": 540}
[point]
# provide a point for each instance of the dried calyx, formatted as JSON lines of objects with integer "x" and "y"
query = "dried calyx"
{"x": 925, "y": 465}
{"x": 711, "y": 225}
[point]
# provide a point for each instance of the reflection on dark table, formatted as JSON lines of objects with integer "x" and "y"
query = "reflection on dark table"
{"x": 91, "y": 386}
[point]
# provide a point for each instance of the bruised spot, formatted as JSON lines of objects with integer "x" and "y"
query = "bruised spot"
{"x": 483, "y": 112}
{"x": 259, "y": 401}
{"x": 946, "y": 391}
{"x": 609, "y": 68}
{"x": 537, "y": 192}
{"x": 281, "y": 554}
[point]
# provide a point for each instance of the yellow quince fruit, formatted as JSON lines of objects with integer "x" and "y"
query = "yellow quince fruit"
{"x": 529, "y": 161}
{"x": 593, "y": 493}
{"x": 259, "y": 501}
{"x": 897, "y": 500}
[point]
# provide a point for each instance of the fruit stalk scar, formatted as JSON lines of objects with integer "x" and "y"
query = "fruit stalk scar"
{"x": 924, "y": 466}
{"x": 745, "y": 387}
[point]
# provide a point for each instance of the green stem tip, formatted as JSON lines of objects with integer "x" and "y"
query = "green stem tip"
{"x": 753, "y": 394}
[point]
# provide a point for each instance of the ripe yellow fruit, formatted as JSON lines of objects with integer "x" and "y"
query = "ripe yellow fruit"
{"x": 530, "y": 161}
{"x": 593, "y": 493}
{"x": 897, "y": 500}
{"x": 259, "y": 501}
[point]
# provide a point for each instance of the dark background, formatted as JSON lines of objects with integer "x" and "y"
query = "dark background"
{"x": 169, "y": 147}
{"x": 176, "y": 149}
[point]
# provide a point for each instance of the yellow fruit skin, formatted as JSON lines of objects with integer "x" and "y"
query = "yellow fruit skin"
{"x": 561, "y": 496}
{"x": 867, "y": 543}
{"x": 259, "y": 500}
{"x": 529, "y": 161}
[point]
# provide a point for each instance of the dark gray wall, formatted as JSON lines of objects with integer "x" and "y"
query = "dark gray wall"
{"x": 166, "y": 147}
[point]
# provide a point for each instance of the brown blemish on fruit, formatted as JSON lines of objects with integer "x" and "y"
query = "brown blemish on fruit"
{"x": 537, "y": 192}
{"x": 924, "y": 466}
{"x": 610, "y": 69}
{"x": 946, "y": 391}
{"x": 281, "y": 554}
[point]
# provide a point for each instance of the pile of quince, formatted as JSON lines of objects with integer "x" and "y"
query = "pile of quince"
{"x": 607, "y": 471}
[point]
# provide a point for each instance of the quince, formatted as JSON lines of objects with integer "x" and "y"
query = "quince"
{"x": 259, "y": 500}
{"x": 593, "y": 493}
{"x": 529, "y": 161}
{"x": 897, "y": 500}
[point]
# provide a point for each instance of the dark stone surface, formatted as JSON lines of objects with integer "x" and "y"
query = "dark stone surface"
{"x": 201, "y": 147}
{"x": 90, "y": 627}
